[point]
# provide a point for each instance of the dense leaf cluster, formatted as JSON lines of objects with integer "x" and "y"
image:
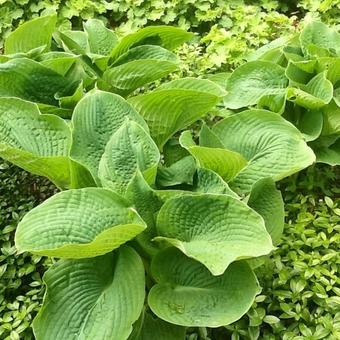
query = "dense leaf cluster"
{"x": 230, "y": 29}
{"x": 299, "y": 78}
{"x": 195, "y": 213}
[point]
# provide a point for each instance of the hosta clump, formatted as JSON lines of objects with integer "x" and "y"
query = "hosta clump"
{"x": 298, "y": 78}
{"x": 53, "y": 68}
{"x": 155, "y": 232}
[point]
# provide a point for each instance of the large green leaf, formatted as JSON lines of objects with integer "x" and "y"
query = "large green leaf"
{"x": 266, "y": 200}
{"x": 147, "y": 203}
{"x": 148, "y": 52}
{"x": 317, "y": 36}
{"x": 139, "y": 66}
{"x": 210, "y": 182}
{"x": 100, "y": 39}
{"x": 331, "y": 119}
{"x": 60, "y": 62}
{"x": 35, "y": 142}
{"x": 98, "y": 298}
{"x": 317, "y": 93}
{"x": 30, "y": 80}
{"x": 328, "y": 154}
{"x": 96, "y": 117}
{"x": 180, "y": 172}
{"x": 129, "y": 149}
{"x": 224, "y": 162}
{"x": 165, "y": 36}
{"x": 273, "y": 147}
{"x": 213, "y": 229}
{"x": 78, "y": 223}
{"x": 175, "y": 105}
{"x": 187, "y": 294}
{"x": 253, "y": 80}
{"x": 127, "y": 77}
{"x": 150, "y": 327}
{"x": 31, "y": 34}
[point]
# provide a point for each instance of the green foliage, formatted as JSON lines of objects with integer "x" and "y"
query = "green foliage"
{"x": 299, "y": 79}
{"x": 21, "y": 286}
{"x": 300, "y": 297}
{"x": 210, "y": 231}
{"x": 230, "y": 28}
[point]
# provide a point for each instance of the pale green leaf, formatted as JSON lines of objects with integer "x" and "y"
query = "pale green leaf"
{"x": 30, "y": 80}
{"x": 253, "y": 80}
{"x": 272, "y": 146}
{"x": 147, "y": 203}
{"x": 317, "y": 93}
{"x": 213, "y": 229}
{"x": 37, "y": 143}
{"x": 224, "y": 162}
{"x": 165, "y": 36}
{"x": 317, "y": 34}
{"x": 127, "y": 77}
{"x": 31, "y": 34}
{"x": 100, "y": 39}
{"x": 129, "y": 149}
{"x": 96, "y": 117}
{"x": 266, "y": 200}
{"x": 154, "y": 328}
{"x": 98, "y": 298}
{"x": 175, "y": 105}
{"x": 180, "y": 172}
{"x": 187, "y": 294}
{"x": 78, "y": 223}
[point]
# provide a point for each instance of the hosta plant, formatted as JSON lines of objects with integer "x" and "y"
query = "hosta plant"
{"x": 156, "y": 229}
{"x": 298, "y": 78}
{"x": 54, "y": 68}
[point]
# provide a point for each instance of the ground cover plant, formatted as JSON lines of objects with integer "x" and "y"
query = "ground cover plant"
{"x": 131, "y": 179}
{"x": 21, "y": 286}
{"x": 298, "y": 78}
{"x": 311, "y": 222}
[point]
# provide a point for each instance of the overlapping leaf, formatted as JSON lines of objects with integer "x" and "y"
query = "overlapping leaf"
{"x": 272, "y": 146}
{"x": 96, "y": 117}
{"x": 129, "y": 149}
{"x": 97, "y": 298}
{"x": 78, "y": 223}
{"x": 175, "y": 105}
{"x": 187, "y": 294}
{"x": 213, "y": 229}
{"x": 37, "y": 143}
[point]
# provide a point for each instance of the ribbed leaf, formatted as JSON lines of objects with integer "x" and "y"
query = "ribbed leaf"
{"x": 30, "y": 80}
{"x": 35, "y": 142}
{"x": 176, "y": 105}
{"x": 180, "y": 172}
{"x": 266, "y": 200}
{"x": 253, "y": 80}
{"x": 150, "y": 327}
{"x": 187, "y": 294}
{"x": 96, "y": 117}
{"x": 98, "y": 298}
{"x": 320, "y": 36}
{"x": 100, "y": 39}
{"x": 222, "y": 161}
{"x": 147, "y": 203}
{"x": 129, "y": 149}
{"x": 127, "y": 77}
{"x": 316, "y": 94}
{"x": 213, "y": 229}
{"x": 273, "y": 147}
{"x": 78, "y": 223}
{"x": 165, "y": 36}
{"x": 31, "y": 34}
